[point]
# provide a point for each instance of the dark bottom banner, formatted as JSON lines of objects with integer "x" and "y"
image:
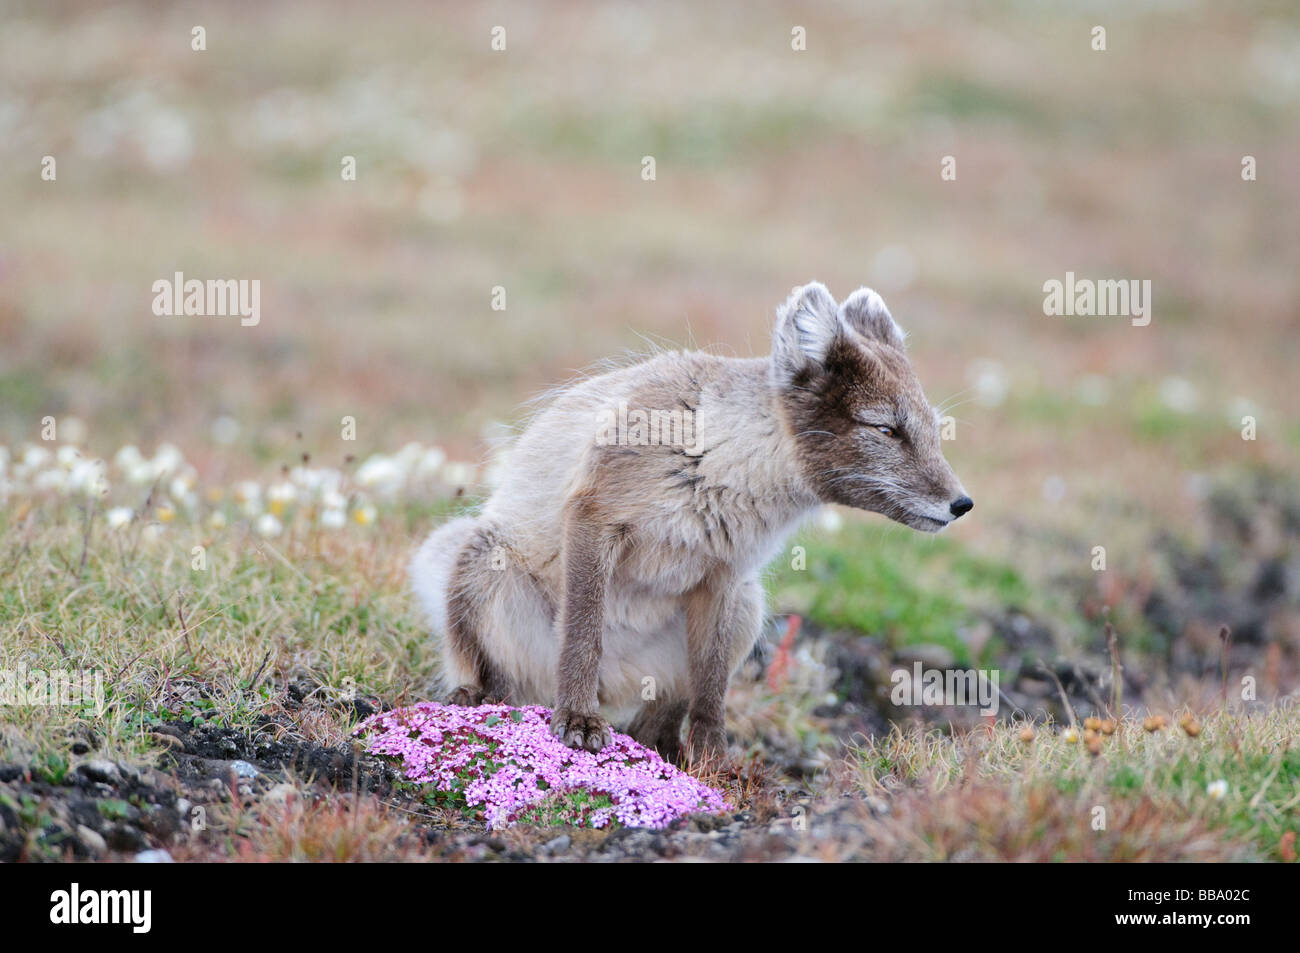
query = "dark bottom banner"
{"x": 136, "y": 903}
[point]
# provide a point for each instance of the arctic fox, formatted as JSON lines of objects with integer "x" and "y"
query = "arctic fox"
{"x": 614, "y": 571}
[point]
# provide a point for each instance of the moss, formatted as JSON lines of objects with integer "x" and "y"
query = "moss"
{"x": 890, "y": 583}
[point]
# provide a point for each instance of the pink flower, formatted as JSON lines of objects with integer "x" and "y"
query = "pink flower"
{"x": 506, "y": 761}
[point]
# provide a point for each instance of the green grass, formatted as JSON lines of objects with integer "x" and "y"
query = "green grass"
{"x": 564, "y": 809}
{"x": 330, "y": 606}
{"x": 887, "y": 582}
{"x": 1167, "y": 770}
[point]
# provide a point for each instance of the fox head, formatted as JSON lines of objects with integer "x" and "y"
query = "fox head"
{"x": 865, "y": 434}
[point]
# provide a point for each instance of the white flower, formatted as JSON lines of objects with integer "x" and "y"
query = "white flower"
{"x": 1217, "y": 789}
{"x": 333, "y": 518}
{"x": 217, "y": 520}
{"x": 1240, "y": 407}
{"x": 89, "y": 477}
{"x": 119, "y": 516}
{"x": 128, "y": 458}
{"x": 183, "y": 483}
{"x": 280, "y": 496}
{"x": 166, "y": 138}
{"x": 152, "y": 532}
{"x": 316, "y": 480}
{"x": 268, "y": 526}
{"x": 55, "y": 480}
{"x": 364, "y": 514}
{"x": 989, "y": 381}
{"x": 382, "y": 474}
{"x": 458, "y": 474}
{"x": 409, "y": 456}
{"x": 167, "y": 459}
{"x": 141, "y": 474}
{"x": 1179, "y": 394}
{"x": 431, "y": 462}
{"x": 34, "y": 457}
{"x": 830, "y": 520}
{"x": 333, "y": 500}
{"x": 67, "y": 455}
{"x": 246, "y": 490}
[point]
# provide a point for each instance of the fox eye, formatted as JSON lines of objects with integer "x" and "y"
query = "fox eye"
{"x": 886, "y": 430}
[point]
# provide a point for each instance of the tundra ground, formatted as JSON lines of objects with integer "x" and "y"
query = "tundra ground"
{"x": 522, "y": 170}
{"x": 230, "y": 692}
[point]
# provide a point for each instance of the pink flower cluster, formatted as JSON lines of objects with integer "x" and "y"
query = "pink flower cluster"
{"x": 506, "y": 761}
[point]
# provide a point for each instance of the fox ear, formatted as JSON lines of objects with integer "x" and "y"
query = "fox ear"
{"x": 806, "y": 327}
{"x": 865, "y": 312}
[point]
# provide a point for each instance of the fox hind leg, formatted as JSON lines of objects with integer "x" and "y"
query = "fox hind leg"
{"x": 469, "y": 592}
{"x": 658, "y": 725}
{"x": 471, "y": 696}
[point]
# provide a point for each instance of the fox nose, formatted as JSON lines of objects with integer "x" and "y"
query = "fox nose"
{"x": 961, "y": 506}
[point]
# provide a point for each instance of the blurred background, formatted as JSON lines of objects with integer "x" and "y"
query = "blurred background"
{"x": 522, "y": 169}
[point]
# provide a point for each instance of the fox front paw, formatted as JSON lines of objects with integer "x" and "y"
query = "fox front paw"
{"x": 706, "y": 744}
{"x": 578, "y": 730}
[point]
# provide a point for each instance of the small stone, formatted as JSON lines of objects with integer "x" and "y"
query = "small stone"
{"x": 153, "y": 857}
{"x": 98, "y": 769}
{"x": 280, "y": 795}
{"x": 243, "y": 769}
{"x": 93, "y": 840}
{"x": 557, "y": 845}
{"x": 126, "y": 837}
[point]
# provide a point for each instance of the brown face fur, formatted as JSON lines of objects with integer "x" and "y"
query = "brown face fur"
{"x": 866, "y": 434}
